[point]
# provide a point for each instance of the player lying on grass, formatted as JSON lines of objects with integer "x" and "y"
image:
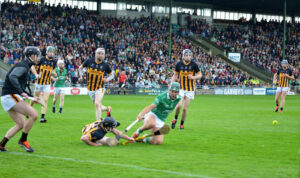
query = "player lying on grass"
{"x": 157, "y": 113}
{"x": 94, "y": 133}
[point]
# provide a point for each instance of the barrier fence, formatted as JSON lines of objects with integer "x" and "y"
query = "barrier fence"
{"x": 156, "y": 91}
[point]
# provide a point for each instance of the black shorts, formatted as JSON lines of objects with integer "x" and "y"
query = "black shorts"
{"x": 120, "y": 85}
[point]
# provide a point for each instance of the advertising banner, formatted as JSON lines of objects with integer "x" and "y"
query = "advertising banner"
{"x": 204, "y": 92}
{"x": 233, "y": 91}
{"x": 270, "y": 91}
{"x": 259, "y": 91}
{"x": 150, "y": 91}
{"x": 235, "y": 57}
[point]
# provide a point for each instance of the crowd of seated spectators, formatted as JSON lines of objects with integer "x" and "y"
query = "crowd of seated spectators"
{"x": 137, "y": 46}
{"x": 259, "y": 43}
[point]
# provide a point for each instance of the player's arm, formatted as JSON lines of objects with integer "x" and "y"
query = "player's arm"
{"x": 176, "y": 72}
{"x": 174, "y": 77}
{"x": 54, "y": 73}
{"x": 117, "y": 132}
{"x": 197, "y": 72}
{"x": 197, "y": 76}
{"x": 33, "y": 70}
{"x": 109, "y": 77}
{"x": 145, "y": 111}
{"x": 13, "y": 77}
{"x": 81, "y": 67}
{"x": 87, "y": 139}
{"x": 54, "y": 78}
{"x": 290, "y": 75}
{"x": 110, "y": 74}
{"x": 275, "y": 78}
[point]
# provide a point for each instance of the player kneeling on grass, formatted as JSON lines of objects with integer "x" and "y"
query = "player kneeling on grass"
{"x": 94, "y": 133}
{"x": 157, "y": 113}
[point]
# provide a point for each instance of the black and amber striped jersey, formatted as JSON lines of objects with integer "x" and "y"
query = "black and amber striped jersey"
{"x": 95, "y": 73}
{"x": 94, "y": 130}
{"x": 184, "y": 70}
{"x": 46, "y": 66}
{"x": 283, "y": 81}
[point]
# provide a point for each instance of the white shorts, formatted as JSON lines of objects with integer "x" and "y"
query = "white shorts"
{"x": 158, "y": 123}
{"x": 281, "y": 89}
{"x": 189, "y": 94}
{"x": 92, "y": 94}
{"x": 59, "y": 90}
{"x": 42, "y": 88}
{"x": 9, "y": 101}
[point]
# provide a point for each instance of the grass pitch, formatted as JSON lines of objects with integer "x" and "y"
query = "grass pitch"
{"x": 224, "y": 136}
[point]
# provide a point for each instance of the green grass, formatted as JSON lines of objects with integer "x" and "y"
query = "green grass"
{"x": 224, "y": 136}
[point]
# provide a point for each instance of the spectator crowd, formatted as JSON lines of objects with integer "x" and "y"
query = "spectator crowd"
{"x": 138, "y": 47}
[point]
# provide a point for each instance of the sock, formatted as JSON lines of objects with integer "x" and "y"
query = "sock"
{"x": 182, "y": 122}
{"x": 60, "y": 109}
{"x": 23, "y": 137}
{"x": 3, "y": 142}
{"x": 281, "y": 108}
{"x": 139, "y": 131}
{"x": 176, "y": 117}
{"x": 146, "y": 140}
{"x": 43, "y": 116}
{"x": 277, "y": 105}
{"x": 53, "y": 105}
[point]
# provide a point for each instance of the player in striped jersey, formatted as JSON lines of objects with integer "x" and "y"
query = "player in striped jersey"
{"x": 186, "y": 72}
{"x": 97, "y": 70}
{"x": 46, "y": 67}
{"x": 284, "y": 74}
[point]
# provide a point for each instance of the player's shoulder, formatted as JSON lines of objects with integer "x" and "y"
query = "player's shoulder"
{"x": 23, "y": 63}
{"x": 179, "y": 62}
{"x": 43, "y": 58}
{"x": 163, "y": 95}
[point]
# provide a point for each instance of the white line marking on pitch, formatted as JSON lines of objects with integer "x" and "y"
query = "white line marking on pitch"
{"x": 110, "y": 164}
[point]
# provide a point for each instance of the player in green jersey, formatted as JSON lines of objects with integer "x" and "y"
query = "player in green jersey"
{"x": 60, "y": 83}
{"x": 157, "y": 113}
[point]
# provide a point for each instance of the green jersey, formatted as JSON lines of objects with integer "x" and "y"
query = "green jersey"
{"x": 164, "y": 105}
{"x": 61, "y": 77}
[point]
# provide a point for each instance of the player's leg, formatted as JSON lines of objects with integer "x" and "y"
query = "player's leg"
{"x": 62, "y": 102}
{"x": 186, "y": 103}
{"x": 107, "y": 109}
{"x": 103, "y": 141}
{"x": 158, "y": 139}
{"x": 98, "y": 104}
{"x": 20, "y": 121}
{"x": 44, "y": 108}
{"x": 277, "y": 96}
{"x": 149, "y": 123}
{"x": 54, "y": 101}
{"x": 24, "y": 108}
{"x": 283, "y": 94}
{"x": 177, "y": 112}
{"x": 155, "y": 140}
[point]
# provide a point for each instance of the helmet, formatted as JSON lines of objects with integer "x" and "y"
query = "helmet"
{"x": 31, "y": 50}
{"x": 60, "y": 62}
{"x": 109, "y": 122}
{"x": 284, "y": 61}
{"x": 100, "y": 50}
{"x": 50, "y": 49}
{"x": 175, "y": 86}
{"x": 187, "y": 52}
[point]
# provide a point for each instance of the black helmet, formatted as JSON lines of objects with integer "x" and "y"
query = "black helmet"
{"x": 109, "y": 122}
{"x": 31, "y": 50}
